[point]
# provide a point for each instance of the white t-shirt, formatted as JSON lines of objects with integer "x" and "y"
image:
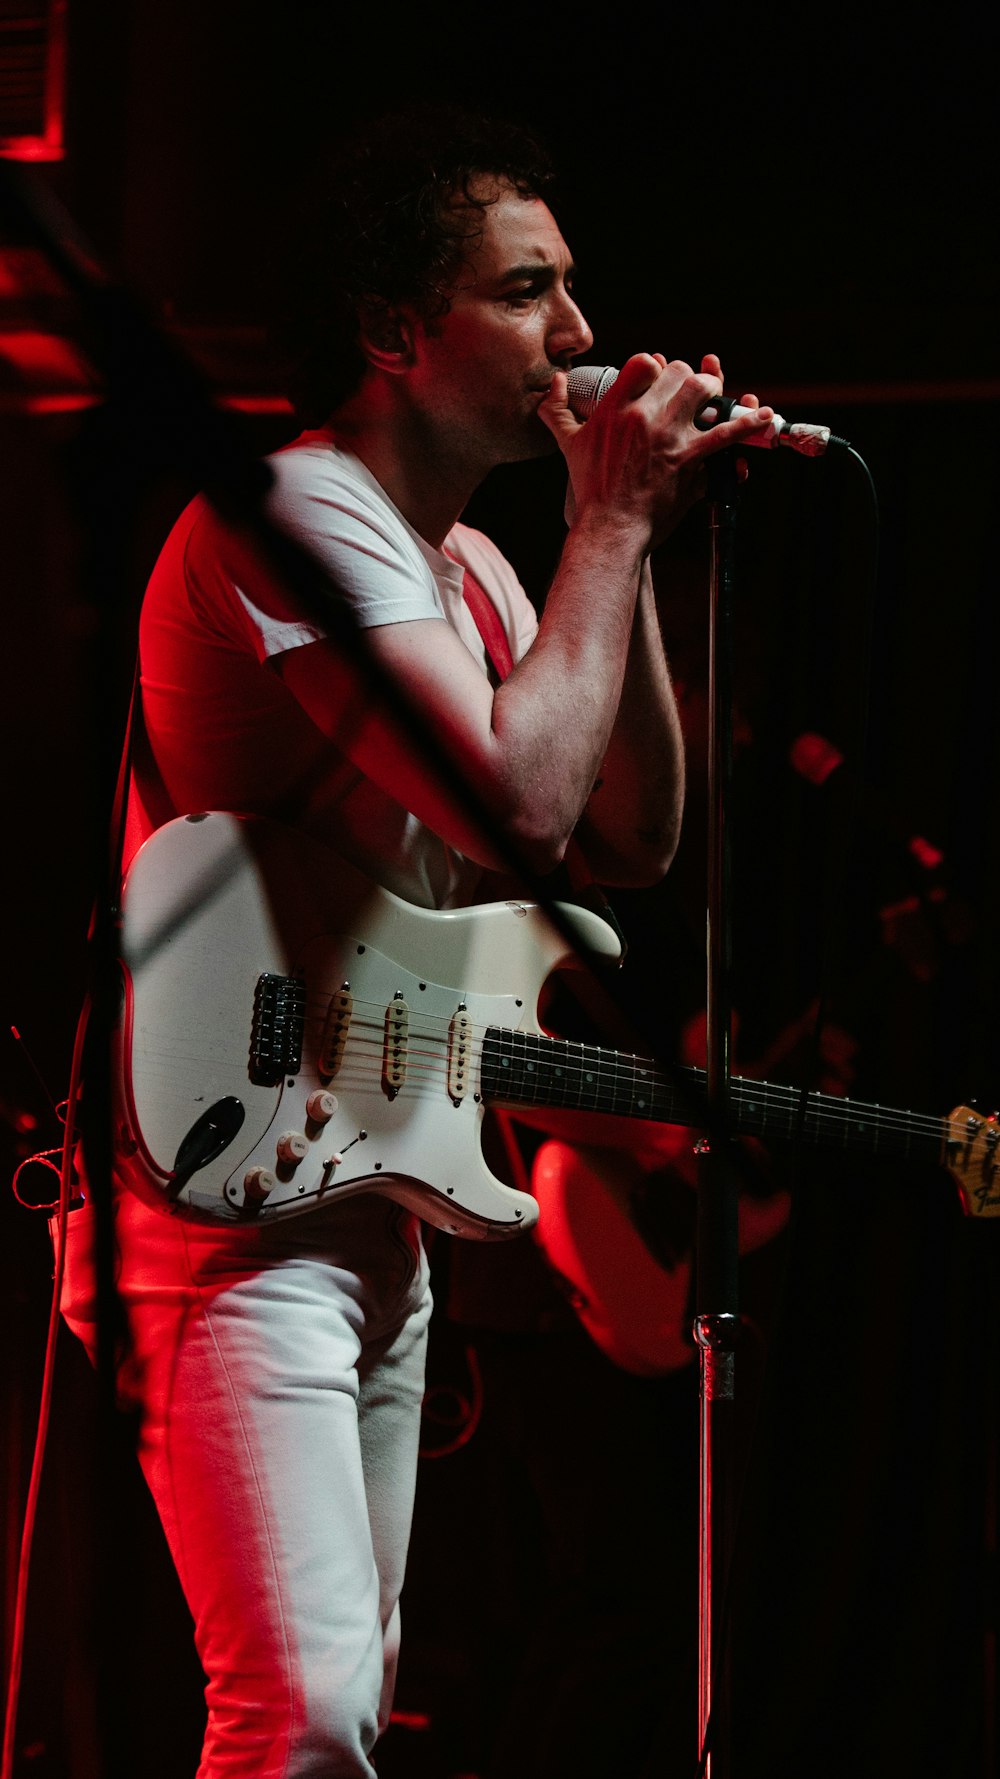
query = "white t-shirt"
{"x": 220, "y": 728}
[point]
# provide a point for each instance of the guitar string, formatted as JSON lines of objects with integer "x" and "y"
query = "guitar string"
{"x": 830, "y": 1124}
{"x": 767, "y": 1107}
{"x": 606, "y": 1073}
{"x": 593, "y": 1061}
{"x": 595, "y": 1071}
{"x": 582, "y": 1055}
{"x": 592, "y": 1056}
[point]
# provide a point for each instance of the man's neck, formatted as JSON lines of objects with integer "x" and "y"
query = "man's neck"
{"x": 429, "y": 485}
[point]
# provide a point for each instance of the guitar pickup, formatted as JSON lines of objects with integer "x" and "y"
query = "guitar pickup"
{"x": 279, "y": 1004}
{"x": 335, "y": 1030}
{"x": 394, "y": 1053}
{"x": 459, "y": 1052}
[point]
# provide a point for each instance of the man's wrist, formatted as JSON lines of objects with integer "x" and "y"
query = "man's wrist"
{"x": 611, "y": 531}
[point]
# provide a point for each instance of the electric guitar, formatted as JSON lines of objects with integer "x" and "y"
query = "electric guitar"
{"x": 292, "y": 1034}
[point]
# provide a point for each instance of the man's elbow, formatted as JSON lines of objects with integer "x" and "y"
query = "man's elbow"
{"x": 655, "y": 851}
{"x": 639, "y": 859}
{"x": 540, "y": 847}
{"x": 540, "y": 832}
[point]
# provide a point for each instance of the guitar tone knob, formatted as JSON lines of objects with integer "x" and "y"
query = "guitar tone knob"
{"x": 292, "y": 1147}
{"x": 259, "y": 1182}
{"x": 320, "y": 1106}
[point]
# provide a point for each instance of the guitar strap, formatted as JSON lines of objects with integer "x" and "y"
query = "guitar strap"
{"x": 497, "y": 646}
{"x": 119, "y": 810}
{"x": 487, "y": 621}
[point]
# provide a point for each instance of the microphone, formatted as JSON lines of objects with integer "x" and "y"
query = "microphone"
{"x": 588, "y": 384}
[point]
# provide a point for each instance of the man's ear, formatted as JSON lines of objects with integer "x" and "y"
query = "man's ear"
{"x": 385, "y": 335}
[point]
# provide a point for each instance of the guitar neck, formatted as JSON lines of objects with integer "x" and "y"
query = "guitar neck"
{"x": 526, "y": 1069}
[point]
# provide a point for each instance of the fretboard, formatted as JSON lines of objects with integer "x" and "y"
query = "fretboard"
{"x": 524, "y": 1069}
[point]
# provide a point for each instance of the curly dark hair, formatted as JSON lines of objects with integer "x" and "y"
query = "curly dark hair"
{"x": 391, "y": 233}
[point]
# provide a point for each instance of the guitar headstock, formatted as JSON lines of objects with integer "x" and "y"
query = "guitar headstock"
{"x": 971, "y": 1155}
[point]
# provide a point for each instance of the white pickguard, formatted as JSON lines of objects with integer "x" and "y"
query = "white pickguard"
{"x": 212, "y": 902}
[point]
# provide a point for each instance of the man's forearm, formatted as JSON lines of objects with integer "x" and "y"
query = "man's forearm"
{"x": 554, "y": 717}
{"x": 631, "y": 825}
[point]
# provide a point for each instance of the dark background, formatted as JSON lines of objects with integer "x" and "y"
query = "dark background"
{"x": 811, "y": 194}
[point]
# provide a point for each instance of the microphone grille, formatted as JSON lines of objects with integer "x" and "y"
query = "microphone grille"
{"x": 588, "y": 384}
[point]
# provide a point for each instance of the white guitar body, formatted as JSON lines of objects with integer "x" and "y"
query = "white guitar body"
{"x": 214, "y": 906}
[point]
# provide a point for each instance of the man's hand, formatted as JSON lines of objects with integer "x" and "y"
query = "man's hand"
{"x": 639, "y": 461}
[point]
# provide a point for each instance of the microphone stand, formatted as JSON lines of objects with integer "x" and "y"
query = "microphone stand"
{"x": 716, "y": 1324}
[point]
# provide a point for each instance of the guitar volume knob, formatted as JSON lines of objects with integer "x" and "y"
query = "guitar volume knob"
{"x": 258, "y": 1182}
{"x": 321, "y": 1105}
{"x": 292, "y": 1147}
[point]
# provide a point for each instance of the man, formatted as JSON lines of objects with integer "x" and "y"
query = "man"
{"x": 279, "y": 1369}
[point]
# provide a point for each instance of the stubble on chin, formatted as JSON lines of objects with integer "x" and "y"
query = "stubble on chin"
{"x": 534, "y": 440}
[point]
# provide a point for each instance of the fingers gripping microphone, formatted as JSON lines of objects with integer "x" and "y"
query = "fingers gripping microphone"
{"x": 588, "y": 384}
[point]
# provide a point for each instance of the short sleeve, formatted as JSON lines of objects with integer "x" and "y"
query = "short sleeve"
{"x": 373, "y": 561}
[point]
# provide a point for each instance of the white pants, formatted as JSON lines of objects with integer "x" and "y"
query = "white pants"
{"x": 279, "y": 1375}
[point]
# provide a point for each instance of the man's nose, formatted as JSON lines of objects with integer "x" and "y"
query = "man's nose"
{"x": 571, "y": 334}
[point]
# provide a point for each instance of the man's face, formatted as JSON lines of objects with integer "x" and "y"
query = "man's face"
{"x": 482, "y": 370}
